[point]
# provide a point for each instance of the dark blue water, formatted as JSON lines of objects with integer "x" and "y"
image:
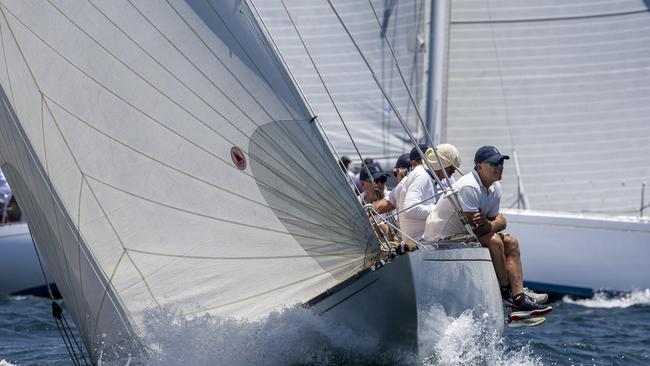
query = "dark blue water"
{"x": 599, "y": 331}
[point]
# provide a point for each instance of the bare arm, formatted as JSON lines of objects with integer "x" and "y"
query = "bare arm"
{"x": 481, "y": 226}
{"x": 382, "y": 206}
{"x": 498, "y": 223}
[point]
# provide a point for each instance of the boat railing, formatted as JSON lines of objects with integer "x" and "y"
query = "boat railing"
{"x": 465, "y": 241}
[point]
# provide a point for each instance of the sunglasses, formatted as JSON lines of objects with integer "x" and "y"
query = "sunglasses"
{"x": 498, "y": 163}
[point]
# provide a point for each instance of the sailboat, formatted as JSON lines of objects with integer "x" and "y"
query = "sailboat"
{"x": 563, "y": 86}
{"x": 166, "y": 159}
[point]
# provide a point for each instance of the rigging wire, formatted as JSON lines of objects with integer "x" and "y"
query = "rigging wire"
{"x": 453, "y": 196}
{"x": 321, "y": 79}
{"x": 62, "y": 325}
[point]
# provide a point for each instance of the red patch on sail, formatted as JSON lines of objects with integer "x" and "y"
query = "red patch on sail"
{"x": 238, "y": 157}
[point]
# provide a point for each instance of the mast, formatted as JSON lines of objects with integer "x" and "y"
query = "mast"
{"x": 436, "y": 73}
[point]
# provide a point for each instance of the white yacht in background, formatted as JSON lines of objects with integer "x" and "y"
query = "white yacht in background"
{"x": 20, "y": 271}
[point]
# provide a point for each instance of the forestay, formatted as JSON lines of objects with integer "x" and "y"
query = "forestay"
{"x": 301, "y": 29}
{"x": 176, "y": 163}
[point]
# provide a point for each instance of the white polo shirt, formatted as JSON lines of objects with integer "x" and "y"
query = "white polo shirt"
{"x": 443, "y": 221}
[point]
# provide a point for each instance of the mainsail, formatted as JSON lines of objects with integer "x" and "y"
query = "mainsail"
{"x": 165, "y": 158}
{"x": 334, "y": 77}
{"x": 563, "y": 83}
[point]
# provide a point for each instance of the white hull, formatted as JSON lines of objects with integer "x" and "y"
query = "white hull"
{"x": 572, "y": 250}
{"x": 392, "y": 302}
{"x": 20, "y": 272}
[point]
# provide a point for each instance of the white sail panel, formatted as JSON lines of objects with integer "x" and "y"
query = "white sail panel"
{"x": 563, "y": 83}
{"x": 136, "y": 198}
{"x": 369, "y": 117}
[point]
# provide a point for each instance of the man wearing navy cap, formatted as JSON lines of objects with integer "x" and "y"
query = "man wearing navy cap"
{"x": 372, "y": 193}
{"x": 402, "y": 167}
{"x": 479, "y": 193}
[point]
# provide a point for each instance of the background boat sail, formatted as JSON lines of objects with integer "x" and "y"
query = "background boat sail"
{"x": 164, "y": 158}
{"x": 338, "y": 84}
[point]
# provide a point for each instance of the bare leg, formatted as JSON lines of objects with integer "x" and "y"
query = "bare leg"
{"x": 513, "y": 264}
{"x": 495, "y": 246}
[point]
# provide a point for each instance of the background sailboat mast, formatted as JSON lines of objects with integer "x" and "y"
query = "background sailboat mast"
{"x": 436, "y": 105}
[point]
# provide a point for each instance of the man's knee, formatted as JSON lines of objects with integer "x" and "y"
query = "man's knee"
{"x": 491, "y": 241}
{"x": 510, "y": 245}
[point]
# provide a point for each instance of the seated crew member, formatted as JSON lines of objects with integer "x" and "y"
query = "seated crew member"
{"x": 375, "y": 191}
{"x": 479, "y": 194}
{"x": 402, "y": 167}
{"x": 372, "y": 193}
{"x": 450, "y": 158}
{"x": 357, "y": 177}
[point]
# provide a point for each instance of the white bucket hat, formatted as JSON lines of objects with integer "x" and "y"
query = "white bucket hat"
{"x": 449, "y": 156}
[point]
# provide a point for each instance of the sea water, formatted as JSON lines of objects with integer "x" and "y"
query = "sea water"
{"x": 604, "y": 330}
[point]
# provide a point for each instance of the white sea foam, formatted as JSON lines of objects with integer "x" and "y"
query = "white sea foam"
{"x": 6, "y": 363}
{"x": 602, "y": 300}
{"x": 467, "y": 340}
{"x": 298, "y": 336}
{"x": 293, "y": 336}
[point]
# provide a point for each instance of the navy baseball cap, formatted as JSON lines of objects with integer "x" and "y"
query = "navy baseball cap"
{"x": 488, "y": 154}
{"x": 415, "y": 154}
{"x": 376, "y": 171}
{"x": 403, "y": 162}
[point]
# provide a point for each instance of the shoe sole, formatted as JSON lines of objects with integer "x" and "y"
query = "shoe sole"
{"x": 521, "y": 315}
{"x": 528, "y": 322}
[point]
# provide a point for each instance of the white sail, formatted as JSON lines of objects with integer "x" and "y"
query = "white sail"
{"x": 304, "y": 29}
{"x": 126, "y": 126}
{"x": 563, "y": 83}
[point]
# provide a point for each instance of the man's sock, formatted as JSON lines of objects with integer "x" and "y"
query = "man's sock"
{"x": 505, "y": 292}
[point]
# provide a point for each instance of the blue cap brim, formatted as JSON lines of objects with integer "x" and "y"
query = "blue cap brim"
{"x": 496, "y": 158}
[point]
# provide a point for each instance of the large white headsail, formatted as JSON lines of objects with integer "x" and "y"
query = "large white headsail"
{"x": 302, "y": 29}
{"x": 164, "y": 158}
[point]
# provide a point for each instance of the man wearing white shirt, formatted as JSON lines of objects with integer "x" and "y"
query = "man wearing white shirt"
{"x": 479, "y": 195}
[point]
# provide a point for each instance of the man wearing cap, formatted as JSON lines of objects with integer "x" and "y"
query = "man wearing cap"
{"x": 372, "y": 193}
{"x": 402, "y": 167}
{"x": 418, "y": 189}
{"x": 479, "y": 194}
